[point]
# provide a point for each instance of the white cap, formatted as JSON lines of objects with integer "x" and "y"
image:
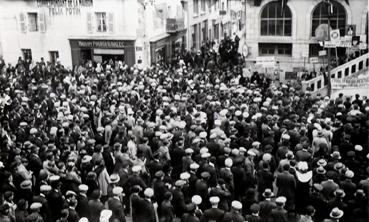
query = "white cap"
{"x": 194, "y": 166}
{"x": 205, "y": 155}
{"x": 83, "y": 219}
{"x": 136, "y": 168}
{"x": 105, "y": 215}
{"x": 83, "y": 187}
{"x": 45, "y": 188}
{"x": 149, "y": 192}
{"x": 214, "y": 200}
{"x": 35, "y": 205}
{"x": 281, "y": 200}
{"x": 117, "y": 190}
{"x": 358, "y": 148}
{"x": 33, "y": 131}
{"x": 184, "y": 176}
{"x": 286, "y": 136}
{"x": 203, "y": 135}
{"x": 196, "y": 199}
{"x": 228, "y": 162}
{"x": 236, "y": 205}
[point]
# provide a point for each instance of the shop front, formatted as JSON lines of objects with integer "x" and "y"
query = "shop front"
{"x": 167, "y": 47}
{"x": 102, "y": 50}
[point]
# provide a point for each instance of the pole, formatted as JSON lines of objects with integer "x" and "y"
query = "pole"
{"x": 329, "y": 87}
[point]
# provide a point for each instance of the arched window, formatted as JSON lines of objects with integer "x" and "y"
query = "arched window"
{"x": 337, "y": 18}
{"x": 273, "y": 22}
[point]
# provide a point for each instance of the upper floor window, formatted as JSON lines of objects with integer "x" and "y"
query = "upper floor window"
{"x": 101, "y": 21}
{"x": 32, "y": 22}
{"x": 274, "y": 22}
{"x": 337, "y": 16}
{"x": 195, "y": 7}
{"x": 203, "y": 6}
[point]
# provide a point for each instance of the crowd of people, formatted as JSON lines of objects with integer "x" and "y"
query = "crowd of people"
{"x": 176, "y": 143}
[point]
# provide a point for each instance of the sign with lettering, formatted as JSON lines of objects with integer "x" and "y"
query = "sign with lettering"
{"x": 350, "y": 83}
{"x": 103, "y": 44}
{"x": 266, "y": 61}
{"x": 343, "y": 43}
{"x": 64, "y": 7}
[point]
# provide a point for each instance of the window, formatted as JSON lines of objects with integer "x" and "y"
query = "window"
{"x": 273, "y": 22}
{"x": 54, "y": 55}
{"x": 27, "y": 54}
{"x": 32, "y": 22}
{"x": 101, "y": 21}
{"x": 194, "y": 35}
{"x": 195, "y": 7}
{"x": 337, "y": 18}
{"x": 274, "y": 49}
{"x": 202, "y": 6}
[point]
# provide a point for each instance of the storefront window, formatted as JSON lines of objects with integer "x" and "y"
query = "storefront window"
{"x": 101, "y": 21}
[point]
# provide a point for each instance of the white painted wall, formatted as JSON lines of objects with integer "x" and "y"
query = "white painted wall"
{"x": 59, "y": 28}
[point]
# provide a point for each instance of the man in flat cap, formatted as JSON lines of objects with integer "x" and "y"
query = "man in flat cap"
{"x": 214, "y": 213}
{"x": 115, "y": 204}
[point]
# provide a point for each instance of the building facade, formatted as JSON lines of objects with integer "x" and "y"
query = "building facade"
{"x": 288, "y": 35}
{"x": 74, "y": 31}
{"x": 71, "y": 31}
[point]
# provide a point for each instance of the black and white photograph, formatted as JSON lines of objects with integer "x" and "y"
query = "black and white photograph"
{"x": 184, "y": 111}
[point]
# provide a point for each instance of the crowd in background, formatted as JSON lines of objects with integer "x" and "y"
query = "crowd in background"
{"x": 189, "y": 142}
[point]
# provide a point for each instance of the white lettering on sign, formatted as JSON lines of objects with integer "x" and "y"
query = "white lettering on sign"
{"x": 350, "y": 83}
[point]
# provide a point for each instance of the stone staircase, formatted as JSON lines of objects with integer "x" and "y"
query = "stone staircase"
{"x": 339, "y": 76}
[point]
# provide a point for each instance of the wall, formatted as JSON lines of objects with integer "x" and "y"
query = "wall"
{"x": 209, "y": 15}
{"x": 59, "y": 28}
{"x": 301, "y": 29}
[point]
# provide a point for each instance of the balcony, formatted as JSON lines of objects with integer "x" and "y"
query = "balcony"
{"x": 175, "y": 25}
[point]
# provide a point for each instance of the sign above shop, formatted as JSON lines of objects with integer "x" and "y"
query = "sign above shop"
{"x": 102, "y": 44}
{"x": 64, "y": 7}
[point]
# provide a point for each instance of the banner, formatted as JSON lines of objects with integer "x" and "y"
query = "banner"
{"x": 266, "y": 61}
{"x": 350, "y": 83}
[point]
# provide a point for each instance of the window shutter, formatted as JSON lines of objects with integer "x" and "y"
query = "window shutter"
{"x": 23, "y": 22}
{"x": 41, "y": 22}
{"x": 89, "y": 22}
{"x": 111, "y": 22}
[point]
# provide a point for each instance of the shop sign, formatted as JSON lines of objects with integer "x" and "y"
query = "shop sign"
{"x": 103, "y": 44}
{"x": 64, "y": 7}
